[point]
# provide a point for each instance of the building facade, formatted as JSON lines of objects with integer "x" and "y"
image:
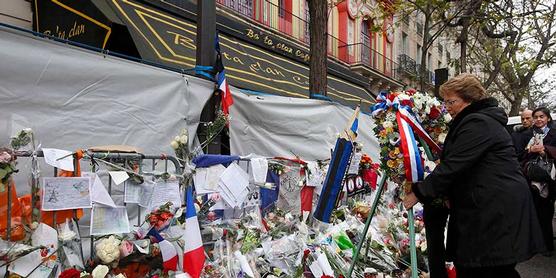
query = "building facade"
{"x": 265, "y": 43}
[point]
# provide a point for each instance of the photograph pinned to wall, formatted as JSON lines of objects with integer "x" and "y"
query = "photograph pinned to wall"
{"x": 66, "y": 193}
{"x": 108, "y": 220}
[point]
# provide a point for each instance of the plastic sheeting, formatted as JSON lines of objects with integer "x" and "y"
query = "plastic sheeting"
{"x": 73, "y": 98}
{"x": 281, "y": 126}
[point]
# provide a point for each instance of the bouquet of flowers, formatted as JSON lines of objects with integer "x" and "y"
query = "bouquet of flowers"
{"x": 426, "y": 109}
{"x": 160, "y": 218}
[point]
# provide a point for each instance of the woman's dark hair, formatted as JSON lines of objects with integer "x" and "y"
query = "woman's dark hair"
{"x": 545, "y": 111}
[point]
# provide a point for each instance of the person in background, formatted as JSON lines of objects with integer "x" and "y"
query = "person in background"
{"x": 541, "y": 142}
{"x": 493, "y": 224}
{"x": 519, "y": 131}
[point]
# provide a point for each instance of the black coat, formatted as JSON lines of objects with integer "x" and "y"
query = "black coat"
{"x": 549, "y": 143}
{"x": 492, "y": 218}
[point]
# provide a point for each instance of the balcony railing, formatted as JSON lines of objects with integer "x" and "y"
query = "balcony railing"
{"x": 428, "y": 75}
{"x": 407, "y": 65}
{"x": 359, "y": 53}
{"x": 279, "y": 19}
{"x": 272, "y": 16}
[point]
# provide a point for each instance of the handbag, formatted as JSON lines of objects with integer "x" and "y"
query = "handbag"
{"x": 539, "y": 169}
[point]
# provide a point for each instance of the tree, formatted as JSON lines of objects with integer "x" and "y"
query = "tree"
{"x": 513, "y": 46}
{"x": 318, "y": 44}
{"x": 435, "y": 16}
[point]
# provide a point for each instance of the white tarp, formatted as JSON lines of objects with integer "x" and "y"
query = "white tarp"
{"x": 73, "y": 98}
{"x": 282, "y": 126}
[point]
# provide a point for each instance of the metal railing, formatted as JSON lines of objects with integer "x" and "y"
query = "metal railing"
{"x": 279, "y": 19}
{"x": 428, "y": 74}
{"x": 359, "y": 53}
{"x": 407, "y": 65}
{"x": 272, "y": 16}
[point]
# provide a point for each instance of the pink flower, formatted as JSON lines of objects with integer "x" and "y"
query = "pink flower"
{"x": 126, "y": 248}
{"x": 5, "y": 157}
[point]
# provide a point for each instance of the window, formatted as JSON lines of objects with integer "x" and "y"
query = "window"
{"x": 405, "y": 46}
{"x": 307, "y": 20}
{"x": 419, "y": 53}
{"x": 282, "y": 8}
{"x": 429, "y": 61}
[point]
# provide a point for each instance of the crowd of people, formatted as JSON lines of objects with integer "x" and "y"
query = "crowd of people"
{"x": 495, "y": 188}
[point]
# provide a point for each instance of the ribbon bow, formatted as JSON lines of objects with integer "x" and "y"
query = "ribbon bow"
{"x": 408, "y": 125}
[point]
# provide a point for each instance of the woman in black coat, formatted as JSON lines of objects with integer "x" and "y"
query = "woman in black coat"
{"x": 543, "y": 191}
{"x": 493, "y": 224}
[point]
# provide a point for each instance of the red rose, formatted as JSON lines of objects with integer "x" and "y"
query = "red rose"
{"x": 435, "y": 113}
{"x": 70, "y": 273}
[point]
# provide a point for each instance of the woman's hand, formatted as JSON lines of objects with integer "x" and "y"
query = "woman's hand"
{"x": 410, "y": 200}
{"x": 537, "y": 148}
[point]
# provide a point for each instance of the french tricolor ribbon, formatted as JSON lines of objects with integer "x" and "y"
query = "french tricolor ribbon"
{"x": 407, "y": 125}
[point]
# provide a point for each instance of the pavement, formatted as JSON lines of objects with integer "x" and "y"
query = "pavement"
{"x": 539, "y": 266}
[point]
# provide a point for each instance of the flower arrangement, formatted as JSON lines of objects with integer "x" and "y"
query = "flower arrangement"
{"x": 425, "y": 108}
{"x": 160, "y": 218}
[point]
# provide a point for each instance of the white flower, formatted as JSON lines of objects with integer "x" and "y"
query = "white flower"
{"x": 447, "y": 117}
{"x": 108, "y": 249}
{"x": 387, "y": 124}
{"x": 183, "y": 139}
{"x": 423, "y": 246}
{"x": 442, "y": 137}
{"x": 119, "y": 276}
{"x": 177, "y": 138}
{"x": 100, "y": 271}
{"x": 27, "y": 130}
{"x": 66, "y": 235}
{"x": 175, "y": 145}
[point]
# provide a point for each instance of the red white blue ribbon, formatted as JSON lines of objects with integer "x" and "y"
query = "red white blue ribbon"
{"x": 407, "y": 125}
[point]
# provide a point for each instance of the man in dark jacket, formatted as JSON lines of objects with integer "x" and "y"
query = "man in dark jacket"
{"x": 493, "y": 224}
{"x": 519, "y": 131}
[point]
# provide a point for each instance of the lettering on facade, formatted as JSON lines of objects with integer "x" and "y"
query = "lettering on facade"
{"x": 66, "y": 34}
{"x": 266, "y": 40}
{"x": 182, "y": 40}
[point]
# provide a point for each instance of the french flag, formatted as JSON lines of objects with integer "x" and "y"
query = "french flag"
{"x": 194, "y": 253}
{"x": 169, "y": 253}
{"x": 222, "y": 83}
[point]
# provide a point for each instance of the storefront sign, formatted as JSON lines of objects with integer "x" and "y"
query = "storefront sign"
{"x": 78, "y": 21}
{"x": 171, "y": 40}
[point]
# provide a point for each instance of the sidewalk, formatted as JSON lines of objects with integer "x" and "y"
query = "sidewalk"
{"x": 539, "y": 266}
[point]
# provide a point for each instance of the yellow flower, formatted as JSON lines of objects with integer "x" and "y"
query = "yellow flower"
{"x": 396, "y": 151}
{"x": 392, "y": 155}
{"x": 391, "y": 163}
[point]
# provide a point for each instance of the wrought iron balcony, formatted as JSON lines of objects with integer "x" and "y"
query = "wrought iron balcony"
{"x": 407, "y": 65}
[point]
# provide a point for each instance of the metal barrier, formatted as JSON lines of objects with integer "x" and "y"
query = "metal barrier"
{"x": 113, "y": 159}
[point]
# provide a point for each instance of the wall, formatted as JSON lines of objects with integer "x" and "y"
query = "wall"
{"x": 17, "y": 13}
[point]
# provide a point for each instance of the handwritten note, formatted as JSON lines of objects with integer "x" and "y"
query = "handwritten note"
{"x": 66, "y": 193}
{"x": 166, "y": 192}
{"x": 107, "y": 220}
